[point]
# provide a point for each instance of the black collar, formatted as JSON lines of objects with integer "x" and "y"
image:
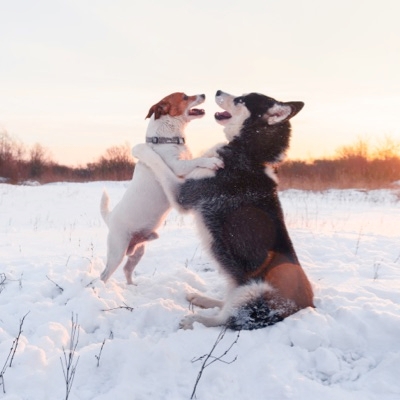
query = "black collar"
{"x": 164, "y": 140}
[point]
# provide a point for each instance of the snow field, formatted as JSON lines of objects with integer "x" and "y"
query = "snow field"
{"x": 53, "y": 249}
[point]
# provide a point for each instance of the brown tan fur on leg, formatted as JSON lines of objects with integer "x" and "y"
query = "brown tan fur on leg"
{"x": 291, "y": 284}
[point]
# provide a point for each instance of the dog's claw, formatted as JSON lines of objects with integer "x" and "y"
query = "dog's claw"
{"x": 215, "y": 163}
{"x": 219, "y": 164}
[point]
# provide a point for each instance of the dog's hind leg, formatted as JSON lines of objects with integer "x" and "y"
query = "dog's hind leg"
{"x": 135, "y": 253}
{"x": 115, "y": 255}
{"x": 132, "y": 261}
{"x": 203, "y": 301}
{"x": 217, "y": 320}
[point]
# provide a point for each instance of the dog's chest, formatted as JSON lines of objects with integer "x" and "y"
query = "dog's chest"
{"x": 227, "y": 191}
{"x": 172, "y": 152}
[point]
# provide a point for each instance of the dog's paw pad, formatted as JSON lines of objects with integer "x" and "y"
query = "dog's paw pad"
{"x": 187, "y": 322}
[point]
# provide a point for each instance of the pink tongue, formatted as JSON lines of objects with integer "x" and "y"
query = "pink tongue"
{"x": 222, "y": 115}
{"x": 196, "y": 111}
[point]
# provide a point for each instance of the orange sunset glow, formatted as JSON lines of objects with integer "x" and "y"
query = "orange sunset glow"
{"x": 79, "y": 77}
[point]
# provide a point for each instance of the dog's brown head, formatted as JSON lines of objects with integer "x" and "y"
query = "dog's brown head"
{"x": 178, "y": 104}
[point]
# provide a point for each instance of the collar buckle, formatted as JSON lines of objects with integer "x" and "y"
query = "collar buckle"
{"x": 165, "y": 140}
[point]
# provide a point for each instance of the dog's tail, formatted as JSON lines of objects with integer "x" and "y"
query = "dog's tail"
{"x": 105, "y": 206}
{"x": 251, "y": 309}
{"x": 253, "y": 315}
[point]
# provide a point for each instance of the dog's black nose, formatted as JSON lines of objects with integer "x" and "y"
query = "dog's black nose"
{"x": 203, "y": 96}
{"x": 219, "y": 92}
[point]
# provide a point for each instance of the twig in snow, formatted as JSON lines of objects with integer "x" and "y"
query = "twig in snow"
{"x": 69, "y": 364}
{"x": 209, "y": 358}
{"x": 16, "y": 340}
{"x": 66, "y": 264}
{"x": 126, "y": 307}
{"x": 3, "y": 278}
{"x": 58, "y": 286}
{"x": 358, "y": 240}
{"x": 92, "y": 250}
{"x": 11, "y": 354}
{"x": 101, "y": 349}
{"x": 20, "y": 281}
{"x": 187, "y": 261}
{"x": 91, "y": 282}
{"x": 191, "y": 307}
{"x": 195, "y": 251}
{"x": 377, "y": 266}
{"x": 71, "y": 255}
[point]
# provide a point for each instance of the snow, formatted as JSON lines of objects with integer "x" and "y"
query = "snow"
{"x": 347, "y": 348}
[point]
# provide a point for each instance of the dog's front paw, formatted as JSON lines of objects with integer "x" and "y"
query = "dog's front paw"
{"x": 213, "y": 163}
{"x": 218, "y": 163}
{"x": 187, "y": 322}
{"x": 139, "y": 150}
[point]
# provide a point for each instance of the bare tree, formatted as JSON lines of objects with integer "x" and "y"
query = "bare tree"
{"x": 39, "y": 159}
{"x": 11, "y": 156}
{"x": 117, "y": 163}
{"x": 387, "y": 148}
{"x": 359, "y": 150}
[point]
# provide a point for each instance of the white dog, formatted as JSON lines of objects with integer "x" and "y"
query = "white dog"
{"x": 144, "y": 205}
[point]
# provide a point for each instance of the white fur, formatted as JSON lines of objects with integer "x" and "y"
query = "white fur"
{"x": 270, "y": 171}
{"x": 144, "y": 205}
{"x": 238, "y": 111}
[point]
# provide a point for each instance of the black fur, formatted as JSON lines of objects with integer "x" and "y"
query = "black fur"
{"x": 240, "y": 205}
{"x": 253, "y": 315}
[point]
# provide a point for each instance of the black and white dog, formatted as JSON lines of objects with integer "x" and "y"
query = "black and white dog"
{"x": 239, "y": 216}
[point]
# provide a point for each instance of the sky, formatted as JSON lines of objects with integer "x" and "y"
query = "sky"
{"x": 79, "y": 76}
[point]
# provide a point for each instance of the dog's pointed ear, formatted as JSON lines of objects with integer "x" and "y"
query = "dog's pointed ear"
{"x": 161, "y": 108}
{"x": 151, "y": 112}
{"x": 281, "y": 112}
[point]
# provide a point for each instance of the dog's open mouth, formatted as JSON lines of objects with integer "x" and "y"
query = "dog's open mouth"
{"x": 220, "y": 116}
{"x": 196, "y": 111}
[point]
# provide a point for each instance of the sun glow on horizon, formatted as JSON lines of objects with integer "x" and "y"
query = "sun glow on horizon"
{"x": 80, "y": 91}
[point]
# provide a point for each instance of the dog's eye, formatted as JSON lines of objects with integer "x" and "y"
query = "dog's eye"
{"x": 185, "y": 97}
{"x": 238, "y": 100}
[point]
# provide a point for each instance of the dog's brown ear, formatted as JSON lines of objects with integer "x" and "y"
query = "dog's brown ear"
{"x": 151, "y": 111}
{"x": 281, "y": 112}
{"x": 161, "y": 108}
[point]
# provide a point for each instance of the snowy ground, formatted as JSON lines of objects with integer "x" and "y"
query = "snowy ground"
{"x": 347, "y": 348}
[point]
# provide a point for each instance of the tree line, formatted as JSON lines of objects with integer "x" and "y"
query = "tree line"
{"x": 359, "y": 165}
{"x": 19, "y": 164}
